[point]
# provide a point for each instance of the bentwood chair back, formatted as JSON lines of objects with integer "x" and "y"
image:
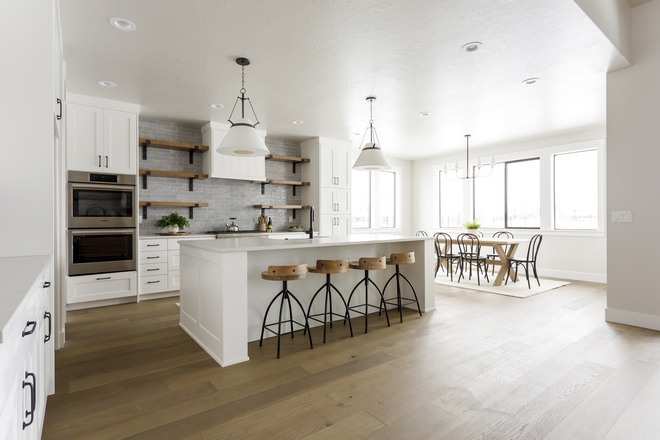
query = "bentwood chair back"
{"x": 469, "y": 248}
{"x": 529, "y": 260}
{"x": 493, "y": 255}
{"x": 444, "y": 251}
{"x": 421, "y": 234}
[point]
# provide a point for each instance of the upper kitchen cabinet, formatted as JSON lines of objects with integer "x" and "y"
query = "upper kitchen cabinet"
{"x": 329, "y": 174}
{"x": 101, "y": 135}
{"x": 218, "y": 165}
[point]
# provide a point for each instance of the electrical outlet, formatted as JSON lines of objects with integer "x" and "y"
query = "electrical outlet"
{"x": 621, "y": 216}
{"x": 290, "y": 219}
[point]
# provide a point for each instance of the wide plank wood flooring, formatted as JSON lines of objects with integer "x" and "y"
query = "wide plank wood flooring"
{"x": 482, "y": 366}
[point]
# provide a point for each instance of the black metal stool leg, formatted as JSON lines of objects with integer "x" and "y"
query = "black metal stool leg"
{"x": 263, "y": 326}
{"x": 302, "y": 309}
{"x": 366, "y": 300}
{"x": 350, "y": 326}
{"x": 279, "y": 322}
{"x": 382, "y": 300}
{"x": 419, "y": 309}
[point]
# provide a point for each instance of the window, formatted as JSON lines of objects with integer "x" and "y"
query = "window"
{"x": 387, "y": 205}
{"x": 361, "y": 199}
{"x": 375, "y": 197}
{"x": 523, "y": 194}
{"x": 576, "y": 190}
{"x": 451, "y": 201}
{"x": 510, "y": 197}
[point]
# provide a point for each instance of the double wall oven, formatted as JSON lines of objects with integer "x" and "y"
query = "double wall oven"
{"x": 102, "y": 223}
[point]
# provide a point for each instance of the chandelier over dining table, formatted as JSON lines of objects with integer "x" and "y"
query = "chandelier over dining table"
{"x": 478, "y": 169}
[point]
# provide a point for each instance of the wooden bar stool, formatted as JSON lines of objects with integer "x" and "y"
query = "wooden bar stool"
{"x": 329, "y": 267}
{"x": 367, "y": 264}
{"x": 285, "y": 274}
{"x": 395, "y": 260}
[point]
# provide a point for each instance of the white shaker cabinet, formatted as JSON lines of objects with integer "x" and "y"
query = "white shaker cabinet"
{"x": 26, "y": 346}
{"x": 102, "y": 286}
{"x": 218, "y": 165}
{"x": 329, "y": 173}
{"x": 101, "y": 139}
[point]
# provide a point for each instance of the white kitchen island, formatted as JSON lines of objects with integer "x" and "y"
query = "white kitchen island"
{"x": 223, "y": 298}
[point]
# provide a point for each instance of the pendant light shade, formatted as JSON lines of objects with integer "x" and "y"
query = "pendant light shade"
{"x": 371, "y": 157}
{"x": 242, "y": 138}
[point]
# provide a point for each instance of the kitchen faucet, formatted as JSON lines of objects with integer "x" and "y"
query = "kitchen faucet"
{"x": 310, "y": 231}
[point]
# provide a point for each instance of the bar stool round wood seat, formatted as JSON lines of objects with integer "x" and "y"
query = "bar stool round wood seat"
{"x": 285, "y": 274}
{"x": 329, "y": 267}
{"x": 399, "y": 301}
{"x": 366, "y": 264}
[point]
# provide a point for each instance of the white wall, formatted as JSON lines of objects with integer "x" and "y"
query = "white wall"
{"x": 613, "y": 18}
{"x": 579, "y": 255}
{"x": 633, "y": 133}
{"x": 26, "y": 124}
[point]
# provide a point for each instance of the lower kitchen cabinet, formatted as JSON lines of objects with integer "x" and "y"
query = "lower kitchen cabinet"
{"x": 159, "y": 263}
{"x": 85, "y": 288}
{"x": 335, "y": 225}
{"x": 26, "y": 346}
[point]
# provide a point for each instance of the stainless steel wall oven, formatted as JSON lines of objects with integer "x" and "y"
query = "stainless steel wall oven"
{"x": 102, "y": 222}
{"x": 102, "y": 200}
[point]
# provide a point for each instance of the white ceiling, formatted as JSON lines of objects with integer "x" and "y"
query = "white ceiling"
{"x": 317, "y": 61}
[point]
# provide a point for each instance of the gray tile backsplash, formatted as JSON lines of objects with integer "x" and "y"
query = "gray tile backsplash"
{"x": 226, "y": 198}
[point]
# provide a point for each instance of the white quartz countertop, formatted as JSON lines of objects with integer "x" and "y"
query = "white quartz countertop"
{"x": 17, "y": 275}
{"x": 265, "y": 244}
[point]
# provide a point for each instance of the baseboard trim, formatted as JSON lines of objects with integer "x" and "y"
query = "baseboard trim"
{"x": 577, "y": 276}
{"x": 635, "y": 319}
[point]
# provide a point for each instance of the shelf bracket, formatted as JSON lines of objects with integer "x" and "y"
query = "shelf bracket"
{"x": 144, "y": 149}
{"x": 190, "y": 182}
{"x": 294, "y": 168}
{"x": 294, "y": 213}
{"x": 144, "y": 210}
{"x": 190, "y": 210}
{"x": 263, "y": 212}
{"x": 144, "y": 179}
{"x": 263, "y": 188}
{"x": 190, "y": 154}
{"x": 294, "y": 190}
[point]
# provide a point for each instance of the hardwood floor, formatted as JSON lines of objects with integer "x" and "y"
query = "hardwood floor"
{"x": 481, "y": 366}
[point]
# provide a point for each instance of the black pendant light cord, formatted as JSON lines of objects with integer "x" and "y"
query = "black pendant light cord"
{"x": 243, "y": 62}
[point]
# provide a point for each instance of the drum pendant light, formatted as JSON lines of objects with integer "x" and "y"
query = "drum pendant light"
{"x": 242, "y": 138}
{"x": 371, "y": 158}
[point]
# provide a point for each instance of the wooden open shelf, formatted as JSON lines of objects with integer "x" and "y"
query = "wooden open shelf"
{"x": 154, "y": 143}
{"x": 286, "y": 182}
{"x": 174, "y": 174}
{"x": 294, "y": 207}
{"x": 168, "y": 145}
{"x": 290, "y": 159}
{"x": 190, "y": 205}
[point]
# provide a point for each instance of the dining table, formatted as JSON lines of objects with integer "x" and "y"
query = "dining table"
{"x": 499, "y": 245}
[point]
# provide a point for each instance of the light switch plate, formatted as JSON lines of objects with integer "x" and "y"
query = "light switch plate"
{"x": 621, "y": 216}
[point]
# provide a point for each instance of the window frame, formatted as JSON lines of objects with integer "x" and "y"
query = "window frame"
{"x": 374, "y": 202}
{"x": 599, "y": 190}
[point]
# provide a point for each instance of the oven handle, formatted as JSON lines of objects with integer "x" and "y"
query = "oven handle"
{"x": 101, "y": 186}
{"x": 108, "y": 231}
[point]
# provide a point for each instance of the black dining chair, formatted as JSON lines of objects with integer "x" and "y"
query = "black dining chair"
{"x": 529, "y": 260}
{"x": 494, "y": 256}
{"x": 469, "y": 248}
{"x": 444, "y": 251}
{"x": 421, "y": 234}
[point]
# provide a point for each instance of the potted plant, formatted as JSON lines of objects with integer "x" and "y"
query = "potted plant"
{"x": 472, "y": 226}
{"x": 173, "y": 222}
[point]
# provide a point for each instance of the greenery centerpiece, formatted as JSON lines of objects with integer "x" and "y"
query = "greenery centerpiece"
{"x": 173, "y": 222}
{"x": 472, "y": 226}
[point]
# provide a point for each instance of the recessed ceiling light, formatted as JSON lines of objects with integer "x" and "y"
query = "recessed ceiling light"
{"x": 297, "y": 122}
{"x": 108, "y": 84}
{"x": 122, "y": 24}
{"x": 216, "y": 106}
{"x": 357, "y": 134}
{"x": 471, "y": 47}
{"x": 425, "y": 113}
{"x": 530, "y": 81}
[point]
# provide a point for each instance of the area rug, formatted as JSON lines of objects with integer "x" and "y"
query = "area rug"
{"x": 519, "y": 289}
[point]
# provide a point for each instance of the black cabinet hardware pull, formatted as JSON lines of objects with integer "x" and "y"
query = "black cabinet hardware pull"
{"x": 153, "y": 282}
{"x": 151, "y": 258}
{"x": 59, "y": 102}
{"x": 29, "y": 324}
{"x": 46, "y": 284}
{"x": 151, "y": 270}
{"x": 49, "y": 317}
{"x": 99, "y": 161}
{"x": 106, "y": 161}
{"x": 33, "y": 397}
{"x": 149, "y": 245}
{"x": 104, "y": 278}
